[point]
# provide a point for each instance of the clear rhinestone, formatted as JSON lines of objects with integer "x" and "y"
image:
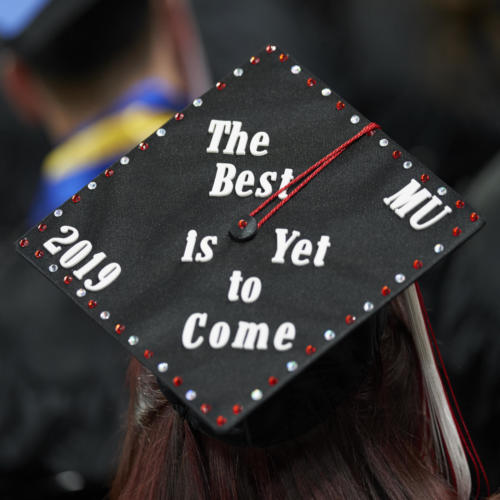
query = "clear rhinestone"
{"x": 438, "y": 248}
{"x": 81, "y": 292}
{"x": 133, "y": 340}
{"x": 238, "y": 72}
{"x": 190, "y": 395}
{"x": 400, "y": 278}
{"x": 291, "y": 366}
{"x": 296, "y": 69}
{"x": 355, "y": 119}
{"x": 124, "y": 160}
{"x": 105, "y": 315}
{"x": 92, "y": 185}
{"x": 368, "y": 306}
{"x": 383, "y": 142}
{"x": 53, "y": 268}
{"x": 329, "y": 335}
{"x": 442, "y": 191}
{"x": 198, "y": 102}
{"x": 162, "y": 367}
{"x": 407, "y": 164}
{"x": 161, "y": 132}
{"x": 58, "y": 212}
{"x": 326, "y": 92}
{"x": 256, "y": 394}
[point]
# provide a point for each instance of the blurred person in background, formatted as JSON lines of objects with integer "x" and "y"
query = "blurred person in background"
{"x": 99, "y": 86}
{"x": 98, "y": 76}
{"x": 23, "y": 148}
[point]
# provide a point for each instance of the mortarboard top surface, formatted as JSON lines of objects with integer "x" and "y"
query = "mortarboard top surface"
{"x": 225, "y": 324}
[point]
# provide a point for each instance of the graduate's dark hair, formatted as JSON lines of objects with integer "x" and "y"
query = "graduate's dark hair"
{"x": 378, "y": 443}
{"x": 101, "y": 34}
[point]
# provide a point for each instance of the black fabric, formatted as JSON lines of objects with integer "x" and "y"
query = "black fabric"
{"x": 141, "y": 216}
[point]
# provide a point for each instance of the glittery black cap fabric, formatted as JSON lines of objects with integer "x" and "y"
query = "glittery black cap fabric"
{"x": 227, "y": 324}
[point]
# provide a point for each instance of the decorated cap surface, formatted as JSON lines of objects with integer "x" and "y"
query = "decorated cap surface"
{"x": 172, "y": 252}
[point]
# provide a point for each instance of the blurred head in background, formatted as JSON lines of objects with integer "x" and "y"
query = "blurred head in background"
{"x": 67, "y": 66}
{"x": 99, "y": 76}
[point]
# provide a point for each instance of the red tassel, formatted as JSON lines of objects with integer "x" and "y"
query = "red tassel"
{"x": 311, "y": 172}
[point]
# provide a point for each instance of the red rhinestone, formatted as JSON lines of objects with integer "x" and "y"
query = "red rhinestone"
{"x": 396, "y": 154}
{"x": 242, "y": 223}
{"x": 92, "y": 304}
{"x": 119, "y": 329}
{"x": 417, "y": 264}
{"x": 255, "y": 60}
{"x": 220, "y": 85}
{"x": 473, "y": 217}
{"x": 42, "y": 227}
{"x": 385, "y": 290}
{"x": 237, "y": 409}
{"x": 283, "y": 57}
{"x": 177, "y": 381}
{"x": 340, "y": 105}
{"x": 456, "y": 231}
{"x": 75, "y": 198}
{"x": 270, "y": 49}
{"x": 205, "y": 408}
{"x": 350, "y": 319}
{"x": 310, "y": 349}
{"x": 143, "y": 146}
{"x": 109, "y": 172}
{"x": 179, "y": 116}
{"x": 67, "y": 279}
{"x": 24, "y": 242}
{"x": 148, "y": 354}
{"x": 39, "y": 254}
{"x": 221, "y": 420}
{"x": 459, "y": 204}
{"x": 273, "y": 380}
{"x": 424, "y": 177}
{"x": 311, "y": 82}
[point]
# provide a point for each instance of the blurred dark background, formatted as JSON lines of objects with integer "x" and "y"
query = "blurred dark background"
{"x": 428, "y": 71}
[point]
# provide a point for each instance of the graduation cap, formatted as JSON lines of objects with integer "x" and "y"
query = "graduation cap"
{"x": 250, "y": 244}
{"x": 28, "y": 24}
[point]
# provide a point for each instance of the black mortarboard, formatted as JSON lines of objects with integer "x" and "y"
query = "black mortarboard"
{"x": 162, "y": 248}
{"x": 28, "y": 24}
